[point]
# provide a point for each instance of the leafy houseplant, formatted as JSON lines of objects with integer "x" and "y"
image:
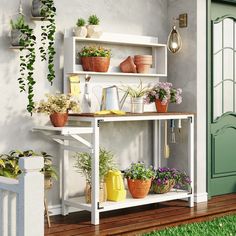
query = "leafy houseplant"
{"x": 80, "y": 30}
{"x": 22, "y": 35}
{"x": 139, "y": 178}
{"x": 167, "y": 178}
{"x": 94, "y": 30}
{"x": 57, "y": 107}
{"x": 47, "y": 11}
{"x": 95, "y": 58}
{"x": 9, "y": 166}
{"x": 84, "y": 165}
{"x": 162, "y": 94}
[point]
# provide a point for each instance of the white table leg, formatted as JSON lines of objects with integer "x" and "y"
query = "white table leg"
{"x": 65, "y": 174}
{"x": 191, "y": 158}
{"x": 156, "y": 144}
{"x": 95, "y": 174}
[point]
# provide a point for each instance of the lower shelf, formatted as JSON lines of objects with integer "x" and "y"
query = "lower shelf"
{"x": 79, "y": 202}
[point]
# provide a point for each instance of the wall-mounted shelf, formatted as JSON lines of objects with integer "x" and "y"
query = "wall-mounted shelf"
{"x": 122, "y": 45}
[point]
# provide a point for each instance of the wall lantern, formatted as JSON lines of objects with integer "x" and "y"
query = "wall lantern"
{"x": 174, "y": 42}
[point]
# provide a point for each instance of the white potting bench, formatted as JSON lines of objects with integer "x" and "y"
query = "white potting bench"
{"x": 66, "y": 134}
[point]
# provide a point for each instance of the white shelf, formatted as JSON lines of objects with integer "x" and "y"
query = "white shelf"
{"x": 79, "y": 202}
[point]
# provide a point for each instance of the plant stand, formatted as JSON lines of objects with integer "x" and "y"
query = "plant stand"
{"x": 64, "y": 135}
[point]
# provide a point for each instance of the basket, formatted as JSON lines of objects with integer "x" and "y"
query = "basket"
{"x": 163, "y": 188}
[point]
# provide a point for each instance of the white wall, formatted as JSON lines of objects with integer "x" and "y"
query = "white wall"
{"x": 121, "y": 16}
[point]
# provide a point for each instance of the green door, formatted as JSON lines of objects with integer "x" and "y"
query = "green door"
{"x": 222, "y": 98}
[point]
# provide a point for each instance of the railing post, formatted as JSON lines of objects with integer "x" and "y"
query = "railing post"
{"x": 31, "y": 197}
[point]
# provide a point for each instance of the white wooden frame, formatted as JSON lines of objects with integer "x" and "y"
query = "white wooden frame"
{"x": 95, "y": 208}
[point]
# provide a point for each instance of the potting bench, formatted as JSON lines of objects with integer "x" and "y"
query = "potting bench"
{"x": 66, "y": 134}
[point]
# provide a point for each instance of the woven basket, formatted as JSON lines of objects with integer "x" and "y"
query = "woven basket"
{"x": 102, "y": 193}
{"x": 164, "y": 188}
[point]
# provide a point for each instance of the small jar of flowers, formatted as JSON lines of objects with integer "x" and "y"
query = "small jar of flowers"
{"x": 57, "y": 107}
{"x": 162, "y": 94}
{"x": 167, "y": 178}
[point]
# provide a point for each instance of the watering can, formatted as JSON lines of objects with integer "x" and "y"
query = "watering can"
{"x": 110, "y": 99}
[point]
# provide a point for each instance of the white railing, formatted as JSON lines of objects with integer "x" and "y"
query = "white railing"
{"x": 22, "y": 200}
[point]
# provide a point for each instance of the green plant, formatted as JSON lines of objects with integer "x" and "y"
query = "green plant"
{"x": 47, "y": 50}
{"x": 93, "y": 20}
{"x": 27, "y": 59}
{"x": 60, "y": 103}
{"x": 137, "y": 92}
{"x": 165, "y": 92}
{"x": 80, "y": 22}
{"x": 139, "y": 171}
{"x": 84, "y": 164}
{"x": 9, "y": 166}
{"x": 19, "y": 23}
{"x": 95, "y": 51}
{"x": 163, "y": 175}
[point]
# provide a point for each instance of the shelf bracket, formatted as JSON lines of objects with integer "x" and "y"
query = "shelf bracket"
{"x": 99, "y": 207}
{"x": 99, "y": 121}
{"x": 191, "y": 119}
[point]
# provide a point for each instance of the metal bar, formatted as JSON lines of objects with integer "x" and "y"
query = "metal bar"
{"x": 81, "y": 140}
{"x": 155, "y": 144}
{"x": 95, "y": 173}
{"x": 159, "y": 143}
{"x": 191, "y": 158}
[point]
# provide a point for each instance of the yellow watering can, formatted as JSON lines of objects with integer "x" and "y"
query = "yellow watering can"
{"x": 115, "y": 186}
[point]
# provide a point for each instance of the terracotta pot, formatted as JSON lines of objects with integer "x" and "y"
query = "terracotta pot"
{"x": 163, "y": 188}
{"x": 139, "y": 188}
{"x": 102, "y": 193}
{"x": 143, "y": 69}
{"x": 128, "y": 66}
{"x": 143, "y": 61}
{"x": 97, "y": 64}
{"x": 160, "y": 107}
{"x": 59, "y": 119}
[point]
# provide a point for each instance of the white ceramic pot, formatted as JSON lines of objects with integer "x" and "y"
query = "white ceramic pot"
{"x": 80, "y": 31}
{"x": 94, "y": 31}
{"x": 137, "y": 105}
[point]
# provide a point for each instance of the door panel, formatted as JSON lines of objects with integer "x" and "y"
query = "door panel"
{"x": 222, "y": 101}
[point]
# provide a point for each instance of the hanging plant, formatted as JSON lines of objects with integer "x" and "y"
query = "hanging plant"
{"x": 47, "y": 50}
{"x": 27, "y": 41}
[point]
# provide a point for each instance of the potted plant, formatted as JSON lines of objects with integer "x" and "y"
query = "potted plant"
{"x": 57, "y": 107}
{"x": 139, "y": 178}
{"x": 9, "y": 165}
{"x": 46, "y": 10}
{"x": 137, "y": 97}
{"x": 167, "y": 178}
{"x": 143, "y": 63}
{"x": 95, "y": 58}
{"x": 18, "y": 36}
{"x": 84, "y": 166}
{"x": 94, "y": 30}
{"x": 162, "y": 94}
{"x": 80, "y": 30}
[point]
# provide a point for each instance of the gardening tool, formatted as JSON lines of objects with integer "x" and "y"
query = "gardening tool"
{"x": 110, "y": 99}
{"x": 166, "y": 146}
{"x": 86, "y": 90}
{"x": 172, "y": 134}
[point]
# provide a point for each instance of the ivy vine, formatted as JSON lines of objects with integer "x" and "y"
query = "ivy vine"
{"x": 47, "y": 50}
{"x": 27, "y": 60}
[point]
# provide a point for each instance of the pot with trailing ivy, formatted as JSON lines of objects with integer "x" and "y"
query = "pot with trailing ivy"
{"x": 18, "y": 35}
{"x": 95, "y": 58}
{"x": 139, "y": 178}
{"x": 83, "y": 164}
{"x": 93, "y": 27}
{"x": 9, "y": 165}
{"x": 80, "y": 30}
{"x": 57, "y": 107}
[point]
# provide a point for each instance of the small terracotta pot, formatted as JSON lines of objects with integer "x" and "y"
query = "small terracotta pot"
{"x": 160, "y": 107}
{"x": 128, "y": 66}
{"x": 59, "y": 119}
{"x": 143, "y": 69}
{"x": 139, "y": 188}
{"x": 97, "y": 64}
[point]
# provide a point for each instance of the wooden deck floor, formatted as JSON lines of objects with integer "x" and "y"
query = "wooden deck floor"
{"x": 138, "y": 220}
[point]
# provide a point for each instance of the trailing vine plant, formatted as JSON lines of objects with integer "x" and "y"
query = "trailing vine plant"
{"x": 47, "y": 50}
{"x": 27, "y": 59}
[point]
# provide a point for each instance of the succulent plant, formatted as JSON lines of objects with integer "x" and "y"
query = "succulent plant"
{"x": 93, "y": 20}
{"x": 80, "y": 22}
